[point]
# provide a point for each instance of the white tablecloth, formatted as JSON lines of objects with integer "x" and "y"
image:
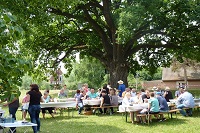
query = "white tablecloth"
{"x": 135, "y": 107}
{"x": 59, "y": 104}
{"x": 65, "y": 99}
{"x": 92, "y": 102}
{"x": 97, "y": 101}
{"x": 16, "y": 124}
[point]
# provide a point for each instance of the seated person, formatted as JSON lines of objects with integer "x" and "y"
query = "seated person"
{"x": 185, "y": 100}
{"x": 79, "y": 101}
{"x": 46, "y": 99}
{"x": 153, "y": 107}
{"x": 99, "y": 92}
{"x": 138, "y": 98}
{"x": 163, "y": 105}
{"x": 127, "y": 90}
{"x": 113, "y": 97}
{"x": 178, "y": 92}
{"x": 133, "y": 92}
{"x": 167, "y": 94}
{"x": 62, "y": 94}
{"x": 92, "y": 94}
{"x": 146, "y": 96}
{"x": 105, "y": 101}
{"x": 127, "y": 100}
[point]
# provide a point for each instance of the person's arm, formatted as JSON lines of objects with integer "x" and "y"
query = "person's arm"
{"x": 149, "y": 106}
{"x": 10, "y": 102}
{"x": 102, "y": 100}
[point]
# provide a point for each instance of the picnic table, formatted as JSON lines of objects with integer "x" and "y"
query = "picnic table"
{"x": 134, "y": 108}
{"x": 16, "y": 124}
{"x": 60, "y": 105}
{"x": 94, "y": 102}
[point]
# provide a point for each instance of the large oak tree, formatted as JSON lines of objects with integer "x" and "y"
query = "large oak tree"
{"x": 124, "y": 35}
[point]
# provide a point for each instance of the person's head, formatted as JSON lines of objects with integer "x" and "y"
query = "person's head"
{"x": 152, "y": 94}
{"x": 142, "y": 90}
{"x": 103, "y": 93}
{"x": 127, "y": 90}
{"x": 83, "y": 92}
{"x": 46, "y": 94}
{"x": 65, "y": 86}
{"x": 158, "y": 93}
{"x": 138, "y": 94}
{"x": 78, "y": 91}
{"x": 182, "y": 90}
{"x": 92, "y": 90}
{"x": 167, "y": 88}
{"x": 112, "y": 91}
{"x": 34, "y": 87}
{"x": 120, "y": 82}
{"x": 147, "y": 92}
{"x": 133, "y": 90}
{"x": 47, "y": 90}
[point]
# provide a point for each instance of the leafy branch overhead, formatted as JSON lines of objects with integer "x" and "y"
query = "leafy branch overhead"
{"x": 124, "y": 35}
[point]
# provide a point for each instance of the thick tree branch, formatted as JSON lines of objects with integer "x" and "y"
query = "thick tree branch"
{"x": 100, "y": 31}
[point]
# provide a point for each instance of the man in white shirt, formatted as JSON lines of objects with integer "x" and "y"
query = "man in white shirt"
{"x": 185, "y": 100}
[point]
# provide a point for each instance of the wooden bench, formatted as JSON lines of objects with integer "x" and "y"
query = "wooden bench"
{"x": 160, "y": 113}
{"x": 172, "y": 111}
{"x": 145, "y": 115}
{"x": 108, "y": 108}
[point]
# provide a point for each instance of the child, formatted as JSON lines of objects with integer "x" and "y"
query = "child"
{"x": 25, "y": 105}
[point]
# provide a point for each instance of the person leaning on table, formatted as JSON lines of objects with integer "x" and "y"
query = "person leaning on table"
{"x": 34, "y": 97}
{"x": 153, "y": 107}
{"x": 12, "y": 106}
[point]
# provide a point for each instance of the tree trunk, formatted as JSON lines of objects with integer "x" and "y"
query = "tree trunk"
{"x": 185, "y": 76}
{"x": 118, "y": 71}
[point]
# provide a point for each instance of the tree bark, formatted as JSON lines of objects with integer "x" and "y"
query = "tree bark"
{"x": 118, "y": 71}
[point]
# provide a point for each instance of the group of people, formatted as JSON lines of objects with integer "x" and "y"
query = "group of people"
{"x": 157, "y": 101}
{"x": 107, "y": 95}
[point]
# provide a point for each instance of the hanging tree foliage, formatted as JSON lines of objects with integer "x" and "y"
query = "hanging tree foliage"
{"x": 125, "y": 35}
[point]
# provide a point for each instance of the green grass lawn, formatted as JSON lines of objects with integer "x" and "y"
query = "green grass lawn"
{"x": 113, "y": 124}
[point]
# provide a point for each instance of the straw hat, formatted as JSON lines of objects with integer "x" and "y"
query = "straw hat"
{"x": 167, "y": 88}
{"x": 120, "y": 82}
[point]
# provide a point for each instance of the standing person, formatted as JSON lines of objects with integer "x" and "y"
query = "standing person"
{"x": 13, "y": 106}
{"x": 121, "y": 87}
{"x": 34, "y": 97}
{"x": 25, "y": 105}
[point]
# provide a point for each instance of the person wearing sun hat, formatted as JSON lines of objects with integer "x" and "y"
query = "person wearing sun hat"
{"x": 121, "y": 87}
{"x": 167, "y": 94}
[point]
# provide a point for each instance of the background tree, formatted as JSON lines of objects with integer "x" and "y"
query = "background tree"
{"x": 116, "y": 32}
{"x": 13, "y": 65}
{"x": 89, "y": 70}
